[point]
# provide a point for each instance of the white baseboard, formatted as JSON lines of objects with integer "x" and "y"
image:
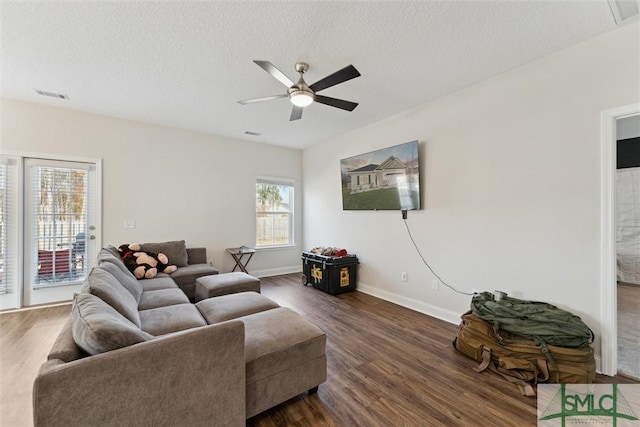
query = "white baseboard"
{"x": 430, "y": 310}
{"x": 276, "y": 271}
{"x": 413, "y": 304}
{"x": 598, "y": 364}
{"x": 35, "y": 307}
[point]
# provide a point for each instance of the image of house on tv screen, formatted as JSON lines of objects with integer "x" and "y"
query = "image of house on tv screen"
{"x": 387, "y": 179}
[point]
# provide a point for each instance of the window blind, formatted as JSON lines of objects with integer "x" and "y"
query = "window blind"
{"x": 58, "y": 223}
{"x": 8, "y": 225}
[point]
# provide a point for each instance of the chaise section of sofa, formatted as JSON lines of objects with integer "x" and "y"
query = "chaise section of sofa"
{"x": 137, "y": 352}
{"x": 187, "y": 378}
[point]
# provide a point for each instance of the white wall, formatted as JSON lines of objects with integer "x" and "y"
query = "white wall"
{"x": 510, "y": 179}
{"x": 175, "y": 184}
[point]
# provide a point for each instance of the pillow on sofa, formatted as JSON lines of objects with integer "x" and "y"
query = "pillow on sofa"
{"x": 176, "y": 251}
{"x": 103, "y": 285}
{"x": 113, "y": 250}
{"x": 126, "y": 279}
{"x": 106, "y": 254}
{"x": 98, "y": 328}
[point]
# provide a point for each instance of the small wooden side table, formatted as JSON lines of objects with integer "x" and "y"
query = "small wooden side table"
{"x": 238, "y": 254}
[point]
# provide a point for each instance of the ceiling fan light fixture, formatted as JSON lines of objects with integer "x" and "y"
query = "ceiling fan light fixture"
{"x": 301, "y": 97}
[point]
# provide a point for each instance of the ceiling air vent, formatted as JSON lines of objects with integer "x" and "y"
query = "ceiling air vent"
{"x": 51, "y": 94}
{"x": 624, "y": 10}
{"x": 248, "y": 132}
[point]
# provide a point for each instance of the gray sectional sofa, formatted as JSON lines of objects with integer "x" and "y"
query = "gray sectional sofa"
{"x": 140, "y": 353}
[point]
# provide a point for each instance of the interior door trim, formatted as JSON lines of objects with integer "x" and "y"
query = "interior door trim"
{"x": 608, "y": 275}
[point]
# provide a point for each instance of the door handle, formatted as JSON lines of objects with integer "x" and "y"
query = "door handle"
{"x": 92, "y": 237}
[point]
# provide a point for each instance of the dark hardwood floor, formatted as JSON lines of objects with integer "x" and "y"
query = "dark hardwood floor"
{"x": 391, "y": 366}
{"x": 387, "y": 366}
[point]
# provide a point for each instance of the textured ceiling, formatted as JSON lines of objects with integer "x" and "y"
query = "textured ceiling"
{"x": 185, "y": 64}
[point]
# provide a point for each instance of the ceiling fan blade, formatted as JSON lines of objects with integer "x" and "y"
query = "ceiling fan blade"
{"x": 296, "y": 113}
{"x": 334, "y": 102}
{"x": 266, "y": 98}
{"x": 277, "y": 74}
{"x": 347, "y": 73}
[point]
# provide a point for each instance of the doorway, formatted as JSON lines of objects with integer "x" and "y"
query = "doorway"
{"x": 609, "y": 269}
{"x": 49, "y": 228}
{"x": 628, "y": 244}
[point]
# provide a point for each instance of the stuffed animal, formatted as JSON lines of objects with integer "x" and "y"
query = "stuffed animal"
{"x": 144, "y": 264}
{"x": 131, "y": 262}
{"x": 158, "y": 261}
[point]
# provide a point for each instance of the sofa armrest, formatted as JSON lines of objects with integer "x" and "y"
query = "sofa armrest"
{"x": 196, "y": 256}
{"x": 193, "y": 377}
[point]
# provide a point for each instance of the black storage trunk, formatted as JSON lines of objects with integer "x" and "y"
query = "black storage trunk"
{"x": 333, "y": 275}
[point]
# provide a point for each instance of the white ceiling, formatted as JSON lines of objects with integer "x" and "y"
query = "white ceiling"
{"x": 185, "y": 64}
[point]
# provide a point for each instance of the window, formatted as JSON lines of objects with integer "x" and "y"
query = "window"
{"x": 274, "y": 212}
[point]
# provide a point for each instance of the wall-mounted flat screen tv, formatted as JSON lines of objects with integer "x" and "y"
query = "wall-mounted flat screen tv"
{"x": 386, "y": 179}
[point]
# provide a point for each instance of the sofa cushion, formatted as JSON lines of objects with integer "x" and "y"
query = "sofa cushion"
{"x": 162, "y": 298}
{"x": 98, "y": 328}
{"x": 103, "y": 285}
{"x": 64, "y": 347}
{"x": 126, "y": 279}
{"x": 113, "y": 250}
{"x": 106, "y": 255}
{"x": 232, "y": 306}
{"x": 176, "y": 251}
{"x": 197, "y": 255}
{"x": 277, "y": 340}
{"x": 164, "y": 320}
{"x": 188, "y": 275}
{"x": 157, "y": 283}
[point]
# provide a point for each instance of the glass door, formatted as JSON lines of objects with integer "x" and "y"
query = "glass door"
{"x": 60, "y": 228}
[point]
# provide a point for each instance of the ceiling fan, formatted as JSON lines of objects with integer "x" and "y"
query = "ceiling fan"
{"x": 300, "y": 94}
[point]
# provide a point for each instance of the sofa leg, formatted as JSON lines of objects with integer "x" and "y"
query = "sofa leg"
{"x": 313, "y": 390}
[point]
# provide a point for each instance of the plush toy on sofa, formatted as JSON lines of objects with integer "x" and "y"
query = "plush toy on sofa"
{"x": 140, "y": 271}
{"x": 144, "y": 264}
{"x": 158, "y": 261}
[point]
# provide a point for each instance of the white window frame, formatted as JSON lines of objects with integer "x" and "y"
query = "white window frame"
{"x": 289, "y": 182}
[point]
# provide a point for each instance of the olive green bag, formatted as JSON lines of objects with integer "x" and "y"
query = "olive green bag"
{"x": 551, "y": 345}
{"x": 539, "y": 321}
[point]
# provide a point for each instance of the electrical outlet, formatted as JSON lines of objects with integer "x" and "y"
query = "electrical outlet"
{"x": 404, "y": 276}
{"x": 129, "y": 223}
{"x": 435, "y": 284}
